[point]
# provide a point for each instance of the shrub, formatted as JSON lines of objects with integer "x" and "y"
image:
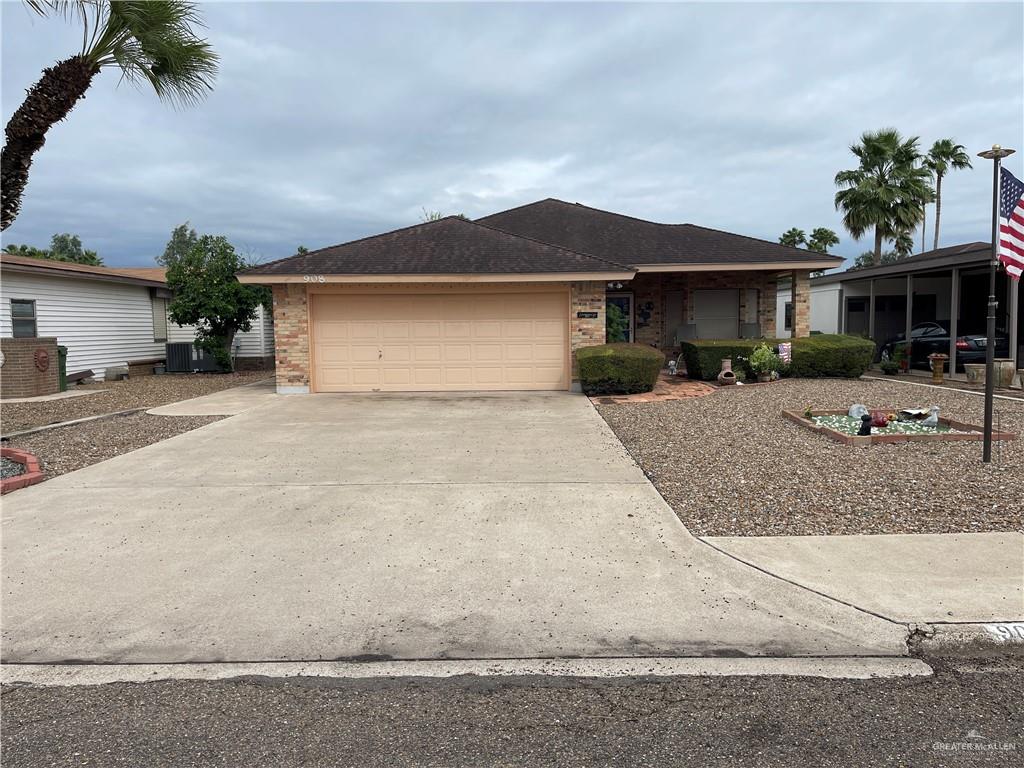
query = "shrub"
{"x": 831, "y": 355}
{"x": 618, "y": 369}
{"x": 763, "y": 360}
{"x": 821, "y": 355}
{"x": 890, "y": 367}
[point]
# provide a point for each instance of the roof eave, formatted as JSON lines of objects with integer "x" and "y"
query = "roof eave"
{"x": 745, "y": 266}
{"x": 483, "y": 277}
{"x": 74, "y": 275}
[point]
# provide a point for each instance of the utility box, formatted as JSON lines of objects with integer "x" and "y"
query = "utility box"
{"x": 186, "y": 357}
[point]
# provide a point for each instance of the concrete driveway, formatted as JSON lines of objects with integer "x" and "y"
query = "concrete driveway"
{"x": 424, "y": 526}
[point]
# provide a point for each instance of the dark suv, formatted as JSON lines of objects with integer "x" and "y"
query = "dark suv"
{"x": 928, "y": 338}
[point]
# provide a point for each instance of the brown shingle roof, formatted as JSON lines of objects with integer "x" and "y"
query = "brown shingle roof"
{"x": 628, "y": 240}
{"x": 153, "y": 276}
{"x": 938, "y": 258}
{"x": 448, "y": 246}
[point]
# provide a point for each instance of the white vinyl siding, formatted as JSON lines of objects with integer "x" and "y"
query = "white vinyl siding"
{"x": 101, "y": 323}
{"x": 256, "y": 342}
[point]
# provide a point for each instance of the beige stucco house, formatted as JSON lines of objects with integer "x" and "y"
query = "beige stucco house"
{"x": 503, "y": 302}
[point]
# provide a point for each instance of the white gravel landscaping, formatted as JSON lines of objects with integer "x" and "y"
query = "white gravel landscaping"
{"x": 729, "y": 464}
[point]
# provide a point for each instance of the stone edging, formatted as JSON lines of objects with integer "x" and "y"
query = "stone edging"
{"x": 33, "y": 473}
{"x": 974, "y": 435}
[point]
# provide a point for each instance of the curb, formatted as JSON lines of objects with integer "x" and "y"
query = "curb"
{"x": 852, "y": 668}
{"x": 943, "y": 640}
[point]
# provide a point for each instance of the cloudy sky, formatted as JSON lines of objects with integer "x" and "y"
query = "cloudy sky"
{"x": 332, "y": 121}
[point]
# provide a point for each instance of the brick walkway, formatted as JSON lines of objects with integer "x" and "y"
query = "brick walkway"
{"x": 667, "y": 388}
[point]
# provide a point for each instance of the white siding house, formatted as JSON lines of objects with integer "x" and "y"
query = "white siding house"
{"x": 824, "y": 307}
{"x": 104, "y": 316}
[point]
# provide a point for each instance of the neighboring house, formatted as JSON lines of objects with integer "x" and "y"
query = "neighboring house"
{"x": 505, "y": 301}
{"x": 104, "y": 316}
{"x": 942, "y": 292}
{"x": 824, "y": 315}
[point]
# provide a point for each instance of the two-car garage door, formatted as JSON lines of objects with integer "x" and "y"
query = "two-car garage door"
{"x": 368, "y": 342}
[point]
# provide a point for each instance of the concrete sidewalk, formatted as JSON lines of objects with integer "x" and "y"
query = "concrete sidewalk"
{"x": 226, "y": 402}
{"x": 915, "y": 578}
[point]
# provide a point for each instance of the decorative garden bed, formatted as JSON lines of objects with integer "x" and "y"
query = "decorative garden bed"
{"x": 839, "y": 426}
{"x": 30, "y": 474}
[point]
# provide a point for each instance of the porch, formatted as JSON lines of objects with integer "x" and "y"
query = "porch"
{"x": 664, "y": 308}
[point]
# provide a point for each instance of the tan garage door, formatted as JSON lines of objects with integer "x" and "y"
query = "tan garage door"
{"x": 425, "y": 342}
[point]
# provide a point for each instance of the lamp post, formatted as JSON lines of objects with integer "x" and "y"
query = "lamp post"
{"x": 996, "y": 154}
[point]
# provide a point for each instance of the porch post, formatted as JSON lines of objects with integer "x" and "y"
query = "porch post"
{"x": 1013, "y": 288}
{"x": 801, "y": 298}
{"x": 842, "y": 309}
{"x": 910, "y": 313}
{"x": 954, "y": 315}
{"x": 871, "y": 310}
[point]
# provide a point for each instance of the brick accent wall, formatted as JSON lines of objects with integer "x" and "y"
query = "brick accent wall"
{"x": 587, "y": 296}
{"x": 801, "y": 302}
{"x": 291, "y": 338}
{"x": 19, "y": 376}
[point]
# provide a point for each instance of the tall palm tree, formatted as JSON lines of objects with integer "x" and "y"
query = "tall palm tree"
{"x": 150, "y": 41}
{"x": 886, "y": 191}
{"x": 944, "y": 156}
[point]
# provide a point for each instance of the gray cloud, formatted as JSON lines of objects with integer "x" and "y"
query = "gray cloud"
{"x": 334, "y": 121}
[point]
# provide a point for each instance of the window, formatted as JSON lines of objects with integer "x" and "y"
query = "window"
{"x": 788, "y": 316}
{"x": 159, "y": 319}
{"x": 23, "y": 318}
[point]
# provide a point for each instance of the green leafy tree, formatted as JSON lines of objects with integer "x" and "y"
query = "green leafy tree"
{"x": 887, "y": 190}
{"x": 208, "y": 295}
{"x": 151, "y": 41}
{"x": 822, "y": 238}
{"x": 944, "y": 156}
{"x": 867, "y": 259}
{"x": 301, "y": 250}
{"x": 63, "y": 247}
{"x": 183, "y": 240}
{"x": 794, "y": 238}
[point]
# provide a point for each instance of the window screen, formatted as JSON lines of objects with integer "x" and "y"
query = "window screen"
{"x": 23, "y": 318}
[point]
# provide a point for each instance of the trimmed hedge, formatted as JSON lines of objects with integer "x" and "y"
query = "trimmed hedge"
{"x": 618, "y": 369}
{"x": 817, "y": 356}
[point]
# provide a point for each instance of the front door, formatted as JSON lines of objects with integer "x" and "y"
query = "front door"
{"x": 618, "y": 317}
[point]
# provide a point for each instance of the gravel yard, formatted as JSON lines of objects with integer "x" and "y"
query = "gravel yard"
{"x": 66, "y": 449}
{"x": 10, "y": 468}
{"x": 729, "y": 464}
{"x": 141, "y": 391}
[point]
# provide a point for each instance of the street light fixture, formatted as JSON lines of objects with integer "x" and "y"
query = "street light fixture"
{"x": 996, "y": 154}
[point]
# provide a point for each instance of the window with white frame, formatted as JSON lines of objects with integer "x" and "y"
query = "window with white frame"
{"x": 23, "y": 318}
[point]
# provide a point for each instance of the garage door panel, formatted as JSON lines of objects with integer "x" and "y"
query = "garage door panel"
{"x": 440, "y": 341}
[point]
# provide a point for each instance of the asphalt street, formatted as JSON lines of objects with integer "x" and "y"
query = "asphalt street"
{"x": 968, "y": 713}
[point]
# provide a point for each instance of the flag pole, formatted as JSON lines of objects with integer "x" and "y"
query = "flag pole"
{"x": 996, "y": 154}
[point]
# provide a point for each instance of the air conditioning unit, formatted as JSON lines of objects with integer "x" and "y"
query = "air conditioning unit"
{"x": 186, "y": 357}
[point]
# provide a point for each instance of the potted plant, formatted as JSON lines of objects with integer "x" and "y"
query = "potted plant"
{"x": 764, "y": 362}
{"x": 890, "y": 367}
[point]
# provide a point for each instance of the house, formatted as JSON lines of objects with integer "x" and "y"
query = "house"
{"x": 824, "y": 314}
{"x": 104, "y": 316}
{"x": 942, "y": 293}
{"x": 503, "y": 303}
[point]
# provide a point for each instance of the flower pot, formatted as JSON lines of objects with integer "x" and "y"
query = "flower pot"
{"x": 937, "y": 361}
{"x": 975, "y": 373}
{"x": 1004, "y": 370}
{"x": 764, "y": 378}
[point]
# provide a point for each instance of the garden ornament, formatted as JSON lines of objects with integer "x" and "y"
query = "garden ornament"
{"x": 879, "y": 419}
{"x": 865, "y": 425}
{"x": 857, "y": 411}
{"x": 933, "y": 417}
{"x": 671, "y": 367}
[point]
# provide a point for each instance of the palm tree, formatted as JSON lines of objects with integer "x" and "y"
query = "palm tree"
{"x": 149, "y": 41}
{"x": 793, "y": 237}
{"x": 945, "y": 155}
{"x": 822, "y": 238}
{"x": 886, "y": 191}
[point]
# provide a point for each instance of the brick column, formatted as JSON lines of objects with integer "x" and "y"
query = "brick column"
{"x": 587, "y": 297}
{"x": 801, "y": 298}
{"x": 291, "y": 339}
{"x": 769, "y": 309}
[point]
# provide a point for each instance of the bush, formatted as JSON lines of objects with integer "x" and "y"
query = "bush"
{"x": 831, "y": 355}
{"x": 890, "y": 368}
{"x": 618, "y": 369}
{"x": 821, "y": 355}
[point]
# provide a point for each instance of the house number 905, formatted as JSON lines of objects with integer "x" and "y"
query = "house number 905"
{"x": 313, "y": 279}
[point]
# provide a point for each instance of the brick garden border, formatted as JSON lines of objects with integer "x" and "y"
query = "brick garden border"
{"x": 32, "y": 474}
{"x": 975, "y": 435}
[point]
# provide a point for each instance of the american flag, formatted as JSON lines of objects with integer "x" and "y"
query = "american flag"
{"x": 1011, "y": 223}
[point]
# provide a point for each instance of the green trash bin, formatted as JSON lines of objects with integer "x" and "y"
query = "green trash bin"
{"x": 62, "y": 367}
